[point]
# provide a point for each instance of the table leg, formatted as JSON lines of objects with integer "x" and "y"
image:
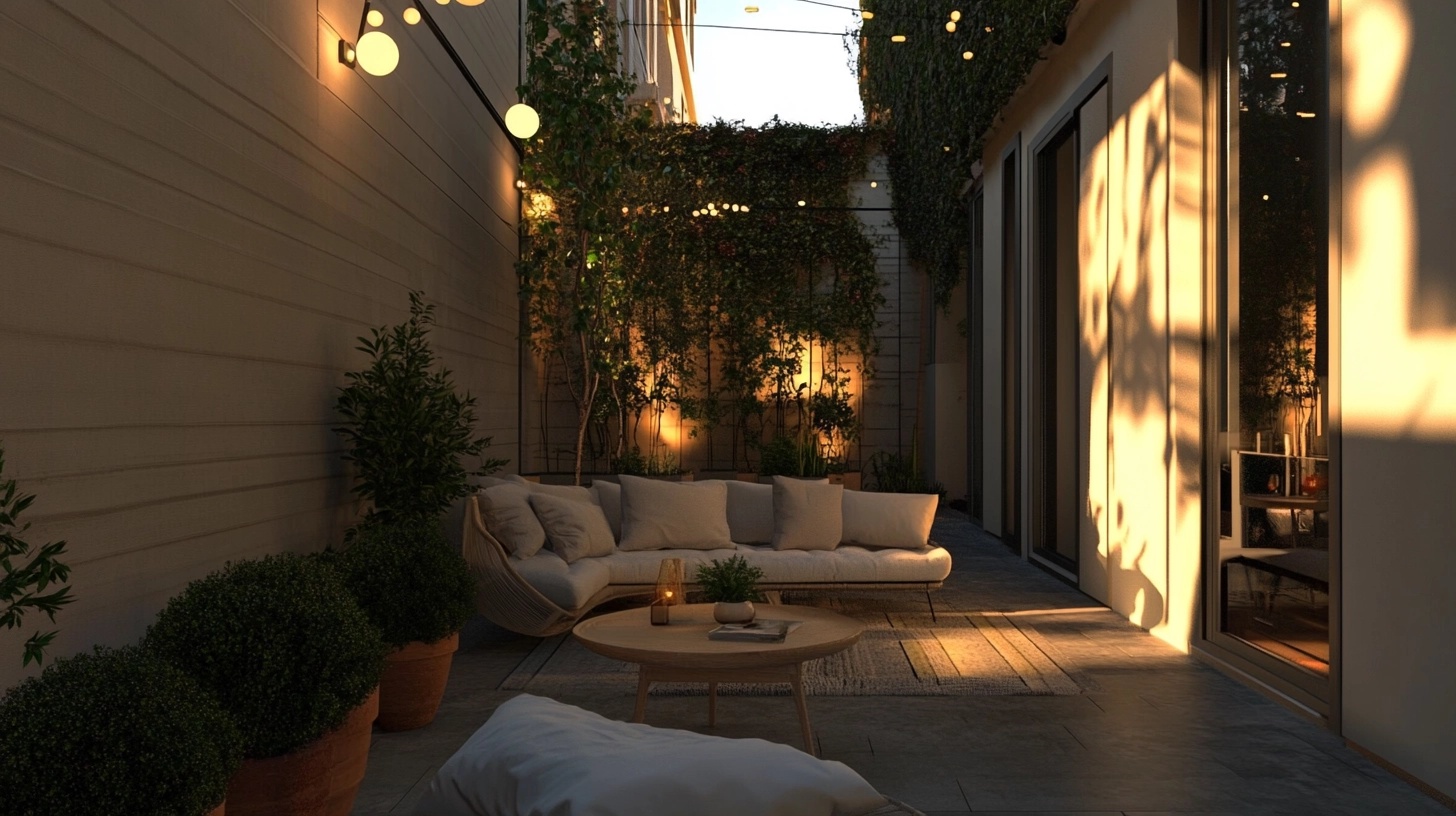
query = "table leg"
{"x": 712, "y": 704}
{"x": 797, "y": 681}
{"x": 640, "y": 712}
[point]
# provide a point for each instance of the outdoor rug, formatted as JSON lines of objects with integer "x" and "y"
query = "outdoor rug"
{"x": 903, "y": 652}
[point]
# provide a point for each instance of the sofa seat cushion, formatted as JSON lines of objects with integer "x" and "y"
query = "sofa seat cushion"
{"x": 539, "y": 756}
{"x": 569, "y": 586}
{"x": 844, "y": 564}
{"x": 848, "y": 564}
{"x": 640, "y": 567}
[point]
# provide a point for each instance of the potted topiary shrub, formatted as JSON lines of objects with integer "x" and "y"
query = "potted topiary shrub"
{"x": 732, "y": 586}
{"x": 419, "y": 591}
{"x": 115, "y": 731}
{"x": 295, "y": 662}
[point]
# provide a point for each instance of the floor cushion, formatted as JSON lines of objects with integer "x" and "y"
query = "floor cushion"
{"x": 539, "y": 757}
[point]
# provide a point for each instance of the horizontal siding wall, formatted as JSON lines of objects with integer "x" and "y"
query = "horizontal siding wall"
{"x": 200, "y": 210}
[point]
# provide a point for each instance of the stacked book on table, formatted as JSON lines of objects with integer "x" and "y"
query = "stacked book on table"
{"x": 759, "y": 631}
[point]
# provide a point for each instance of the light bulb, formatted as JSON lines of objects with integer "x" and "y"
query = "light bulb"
{"x": 442, "y": 2}
{"x": 1285, "y": 44}
{"x": 1266, "y": 196}
{"x": 375, "y": 17}
{"x": 667, "y": 100}
{"x": 624, "y": 211}
{"x": 522, "y": 120}
{"x": 965, "y": 55}
{"x": 950, "y": 27}
{"x": 946, "y": 148}
{"x": 874, "y": 184}
{"x": 751, "y": 9}
{"x": 955, "y": 16}
{"x": 377, "y": 53}
{"x": 801, "y": 202}
{"x": 989, "y": 29}
{"x": 745, "y": 208}
{"x": 666, "y": 208}
{"x": 412, "y": 15}
{"x": 897, "y": 38}
{"x": 867, "y": 15}
{"x": 470, "y": 2}
{"x": 520, "y": 184}
{"x": 735, "y": 208}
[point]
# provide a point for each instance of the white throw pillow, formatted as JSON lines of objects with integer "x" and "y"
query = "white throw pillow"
{"x": 750, "y": 512}
{"x": 609, "y": 496}
{"x": 807, "y": 515}
{"x": 660, "y": 515}
{"x": 573, "y": 492}
{"x": 539, "y": 756}
{"x": 889, "y": 519}
{"x": 574, "y": 529}
{"x": 506, "y": 511}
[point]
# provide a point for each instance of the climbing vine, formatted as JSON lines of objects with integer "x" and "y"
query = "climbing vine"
{"x": 938, "y": 103}
{"x": 683, "y": 269}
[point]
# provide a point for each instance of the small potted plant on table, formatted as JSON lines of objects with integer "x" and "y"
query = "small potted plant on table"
{"x": 732, "y": 586}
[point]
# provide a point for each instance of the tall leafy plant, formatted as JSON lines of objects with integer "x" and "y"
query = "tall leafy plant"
{"x": 573, "y": 268}
{"x": 29, "y": 571}
{"x": 407, "y": 429}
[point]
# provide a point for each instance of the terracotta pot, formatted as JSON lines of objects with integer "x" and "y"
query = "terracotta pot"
{"x": 318, "y": 779}
{"x": 414, "y": 683}
{"x": 851, "y": 479}
{"x": 220, "y": 810}
{"x": 741, "y": 612}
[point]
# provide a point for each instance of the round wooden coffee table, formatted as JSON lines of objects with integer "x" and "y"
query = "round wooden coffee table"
{"x": 682, "y": 652}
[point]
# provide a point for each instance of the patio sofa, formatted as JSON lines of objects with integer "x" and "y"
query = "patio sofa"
{"x": 545, "y": 555}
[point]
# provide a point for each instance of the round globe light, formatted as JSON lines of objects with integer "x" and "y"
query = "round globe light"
{"x": 375, "y": 17}
{"x": 412, "y": 15}
{"x": 522, "y": 120}
{"x": 377, "y": 53}
{"x": 950, "y": 27}
{"x": 867, "y": 15}
{"x": 955, "y": 16}
{"x": 965, "y": 55}
{"x": 470, "y": 2}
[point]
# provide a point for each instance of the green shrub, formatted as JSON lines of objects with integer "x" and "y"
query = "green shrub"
{"x": 281, "y": 643}
{"x": 27, "y": 571}
{"x": 410, "y": 582}
{"x": 406, "y": 428}
{"x": 729, "y": 581}
{"x": 117, "y": 731}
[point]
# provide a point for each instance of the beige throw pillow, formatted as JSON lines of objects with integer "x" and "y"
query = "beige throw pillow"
{"x": 750, "y": 512}
{"x": 660, "y": 515}
{"x": 506, "y": 511}
{"x": 574, "y": 529}
{"x": 807, "y": 515}
{"x": 889, "y": 519}
{"x": 609, "y": 496}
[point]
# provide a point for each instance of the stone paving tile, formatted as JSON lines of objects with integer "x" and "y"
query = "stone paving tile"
{"x": 1160, "y": 732}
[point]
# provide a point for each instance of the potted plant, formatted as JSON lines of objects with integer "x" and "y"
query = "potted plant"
{"x": 115, "y": 731}
{"x": 295, "y": 662}
{"x": 419, "y": 591}
{"x": 732, "y": 586}
{"x": 406, "y": 428}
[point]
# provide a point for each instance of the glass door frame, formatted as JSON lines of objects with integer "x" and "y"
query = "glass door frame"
{"x": 1317, "y": 696}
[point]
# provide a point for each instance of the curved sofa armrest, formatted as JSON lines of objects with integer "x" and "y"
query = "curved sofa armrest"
{"x": 501, "y": 594}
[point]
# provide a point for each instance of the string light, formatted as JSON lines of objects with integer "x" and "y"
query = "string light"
{"x": 968, "y": 55}
{"x": 897, "y": 38}
{"x": 520, "y": 184}
{"x": 950, "y": 27}
{"x": 874, "y": 184}
{"x": 375, "y": 17}
{"x": 1278, "y": 75}
{"x": 989, "y": 29}
{"x": 867, "y": 15}
{"x": 955, "y": 16}
{"x": 801, "y": 202}
{"x": 412, "y": 15}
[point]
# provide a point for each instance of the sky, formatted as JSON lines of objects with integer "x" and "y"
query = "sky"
{"x": 753, "y": 75}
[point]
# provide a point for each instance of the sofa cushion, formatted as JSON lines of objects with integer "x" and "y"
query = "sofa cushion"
{"x": 538, "y": 756}
{"x": 574, "y": 529}
{"x": 569, "y": 586}
{"x": 807, "y": 515}
{"x": 682, "y": 515}
{"x": 845, "y": 564}
{"x": 888, "y": 519}
{"x": 609, "y": 496}
{"x": 506, "y": 510}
